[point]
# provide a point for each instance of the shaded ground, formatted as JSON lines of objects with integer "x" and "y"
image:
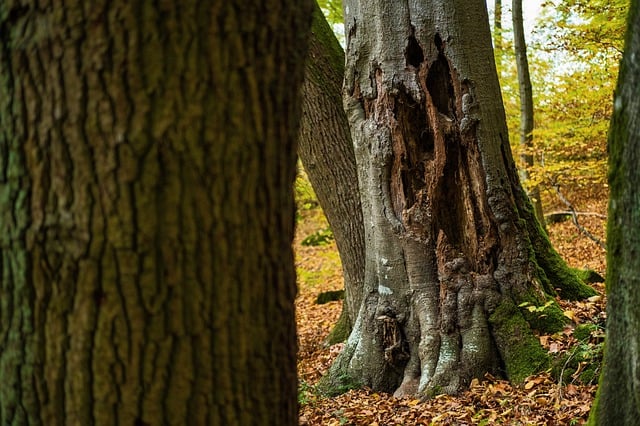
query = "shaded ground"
{"x": 540, "y": 400}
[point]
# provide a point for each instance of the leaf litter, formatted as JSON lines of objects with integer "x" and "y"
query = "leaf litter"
{"x": 539, "y": 400}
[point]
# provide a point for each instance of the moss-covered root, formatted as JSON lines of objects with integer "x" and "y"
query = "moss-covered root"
{"x": 557, "y": 275}
{"x": 340, "y": 331}
{"x": 519, "y": 348}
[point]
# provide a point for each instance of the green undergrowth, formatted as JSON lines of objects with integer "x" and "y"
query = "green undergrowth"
{"x": 324, "y": 268}
{"x": 582, "y": 363}
{"x": 320, "y": 237}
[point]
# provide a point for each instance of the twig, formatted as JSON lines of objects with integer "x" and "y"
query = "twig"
{"x": 566, "y": 212}
{"x": 574, "y": 218}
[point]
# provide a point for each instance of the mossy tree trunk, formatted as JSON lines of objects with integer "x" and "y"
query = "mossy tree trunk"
{"x": 618, "y": 399}
{"x": 326, "y": 152}
{"x": 147, "y": 155}
{"x": 452, "y": 244}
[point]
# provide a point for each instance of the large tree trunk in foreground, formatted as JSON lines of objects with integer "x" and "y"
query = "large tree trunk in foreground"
{"x": 618, "y": 399}
{"x": 326, "y": 152}
{"x": 146, "y": 170}
{"x": 452, "y": 245}
{"x": 526, "y": 107}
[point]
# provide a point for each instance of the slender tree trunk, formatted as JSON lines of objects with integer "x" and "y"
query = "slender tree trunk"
{"x": 497, "y": 25}
{"x": 147, "y": 154}
{"x": 618, "y": 399}
{"x": 326, "y": 152}
{"x": 452, "y": 246}
{"x": 526, "y": 107}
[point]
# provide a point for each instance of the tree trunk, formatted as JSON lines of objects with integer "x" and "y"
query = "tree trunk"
{"x": 526, "y": 108}
{"x": 146, "y": 169}
{"x": 497, "y": 25}
{"x": 326, "y": 152}
{"x": 452, "y": 246}
{"x": 618, "y": 399}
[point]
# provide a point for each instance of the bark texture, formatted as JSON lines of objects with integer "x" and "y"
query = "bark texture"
{"x": 526, "y": 107}
{"x": 147, "y": 158}
{"x": 618, "y": 399}
{"x": 326, "y": 152}
{"x": 452, "y": 246}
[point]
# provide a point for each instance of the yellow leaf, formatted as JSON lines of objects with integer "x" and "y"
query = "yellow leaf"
{"x": 542, "y": 400}
{"x": 569, "y": 314}
{"x": 594, "y": 298}
{"x": 530, "y": 384}
{"x": 413, "y": 402}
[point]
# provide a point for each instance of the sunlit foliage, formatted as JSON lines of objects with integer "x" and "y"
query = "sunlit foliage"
{"x": 574, "y": 53}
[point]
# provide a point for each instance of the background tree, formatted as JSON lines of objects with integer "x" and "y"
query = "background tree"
{"x": 326, "y": 152}
{"x": 572, "y": 96}
{"x": 618, "y": 399}
{"x": 452, "y": 245}
{"x": 497, "y": 30}
{"x": 526, "y": 107}
{"x": 146, "y": 163}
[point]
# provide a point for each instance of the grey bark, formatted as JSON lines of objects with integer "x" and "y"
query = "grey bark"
{"x": 326, "y": 152}
{"x": 526, "y": 107}
{"x": 618, "y": 398}
{"x": 451, "y": 243}
{"x": 147, "y": 155}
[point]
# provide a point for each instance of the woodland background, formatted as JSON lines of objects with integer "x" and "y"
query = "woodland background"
{"x": 574, "y": 51}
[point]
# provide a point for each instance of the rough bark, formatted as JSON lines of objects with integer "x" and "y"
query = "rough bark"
{"x": 452, "y": 246}
{"x": 326, "y": 152}
{"x": 526, "y": 107}
{"x": 147, "y": 155}
{"x": 618, "y": 399}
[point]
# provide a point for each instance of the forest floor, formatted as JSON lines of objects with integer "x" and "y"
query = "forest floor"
{"x": 540, "y": 400}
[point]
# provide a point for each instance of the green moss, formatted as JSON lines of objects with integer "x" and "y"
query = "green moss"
{"x": 560, "y": 276}
{"x": 337, "y": 385}
{"x": 582, "y": 364}
{"x": 588, "y": 275}
{"x": 583, "y": 331}
{"x": 519, "y": 348}
{"x": 553, "y": 271}
{"x": 340, "y": 331}
{"x": 547, "y": 318}
{"x": 433, "y": 391}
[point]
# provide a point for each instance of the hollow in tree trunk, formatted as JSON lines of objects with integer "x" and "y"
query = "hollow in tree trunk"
{"x": 452, "y": 245}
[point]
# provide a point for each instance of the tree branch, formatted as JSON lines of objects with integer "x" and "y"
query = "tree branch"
{"x": 574, "y": 218}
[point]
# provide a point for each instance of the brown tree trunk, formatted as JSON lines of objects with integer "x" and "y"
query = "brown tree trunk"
{"x": 497, "y": 25}
{"x": 146, "y": 164}
{"x": 452, "y": 246}
{"x": 326, "y": 152}
{"x": 526, "y": 108}
{"x": 618, "y": 399}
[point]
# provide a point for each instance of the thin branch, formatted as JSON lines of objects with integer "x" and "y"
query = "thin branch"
{"x": 574, "y": 218}
{"x": 566, "y": 212}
